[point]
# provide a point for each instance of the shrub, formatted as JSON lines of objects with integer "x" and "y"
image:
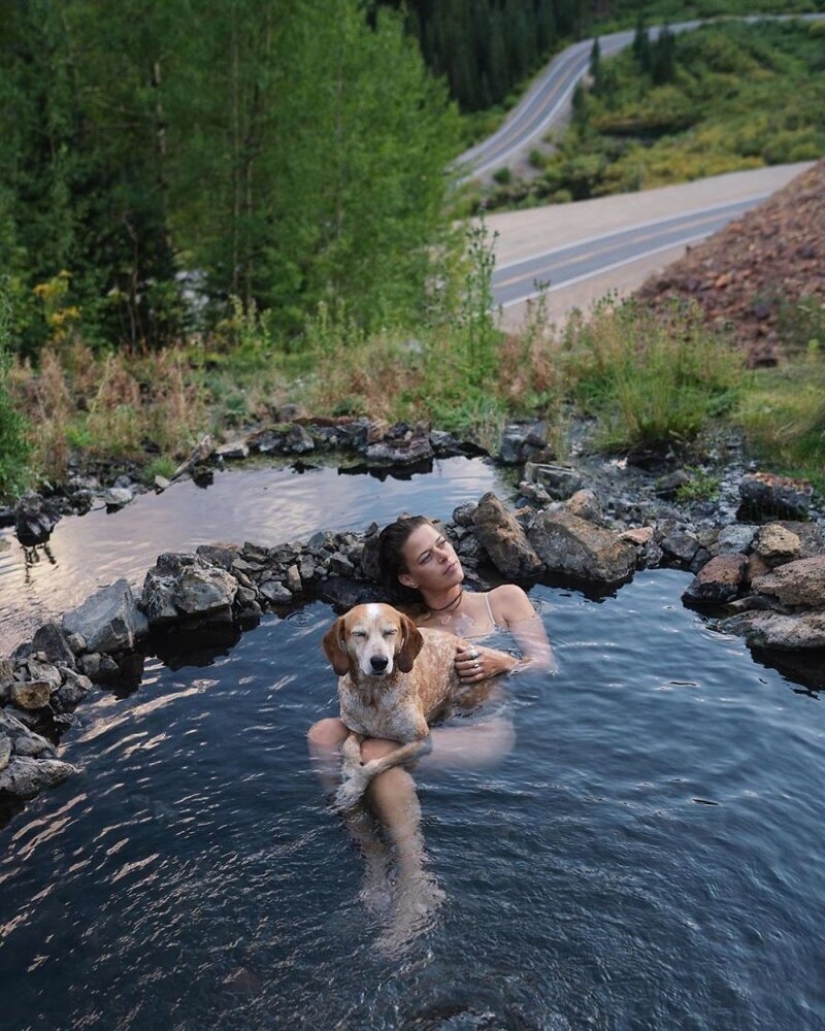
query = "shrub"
{"x": 14, "y": 445}
{"x": 649, "y": 380}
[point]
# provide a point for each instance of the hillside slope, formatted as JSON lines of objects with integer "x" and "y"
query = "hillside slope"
{"x": 751, "y": 272}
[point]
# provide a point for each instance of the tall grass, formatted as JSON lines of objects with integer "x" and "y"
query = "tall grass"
{"x": 649, "y": 380}
{"x": 643, "y": 381}
{"x": 108, "y": 406}
{"x": 783, "y": 416}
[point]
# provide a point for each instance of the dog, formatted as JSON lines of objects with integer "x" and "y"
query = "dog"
{"x": 394, "y": 680}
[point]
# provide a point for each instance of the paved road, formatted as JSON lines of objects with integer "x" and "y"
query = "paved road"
{"x": 546, "y": 103}
{"x": 587, "y": 249}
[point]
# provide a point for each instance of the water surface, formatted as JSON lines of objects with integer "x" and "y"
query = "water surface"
{"x": 648, "y": 856}
{"x": 263, "y": 503}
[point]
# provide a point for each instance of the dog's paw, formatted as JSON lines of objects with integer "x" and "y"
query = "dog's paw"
{"x": 349, "y": 794}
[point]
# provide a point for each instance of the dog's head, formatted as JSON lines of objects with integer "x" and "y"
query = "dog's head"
{"x": 372, "y": 640}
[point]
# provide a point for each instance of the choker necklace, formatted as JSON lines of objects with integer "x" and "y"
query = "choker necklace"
{"x": 450, "y": 604}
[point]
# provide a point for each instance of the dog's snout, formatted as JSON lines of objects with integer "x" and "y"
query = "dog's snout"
{"x": 378, "y": 663}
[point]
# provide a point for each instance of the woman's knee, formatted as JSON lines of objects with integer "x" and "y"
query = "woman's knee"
{"x": 327, "y": 733}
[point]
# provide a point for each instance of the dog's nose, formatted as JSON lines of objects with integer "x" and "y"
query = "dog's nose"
{"x": 379, "y": 663}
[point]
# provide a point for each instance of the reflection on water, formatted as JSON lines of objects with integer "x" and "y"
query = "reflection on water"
{"x": 648, "y": 856}
{"x": 262, "y": 504}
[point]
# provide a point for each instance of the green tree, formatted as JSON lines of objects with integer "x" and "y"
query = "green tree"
{"x": 663, "y": 57}
{"x": 641, "y": 45}
{"x": 368, "y": 167}
{"x": 595, "y": 67}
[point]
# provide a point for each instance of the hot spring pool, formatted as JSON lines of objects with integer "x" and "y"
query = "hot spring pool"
{"x": 648, "y": 856}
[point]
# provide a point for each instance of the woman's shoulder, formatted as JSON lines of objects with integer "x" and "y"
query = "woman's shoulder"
{"x": 509, "y": 602}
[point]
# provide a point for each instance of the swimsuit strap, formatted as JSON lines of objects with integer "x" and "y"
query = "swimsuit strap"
{"x": 489, "y": 609}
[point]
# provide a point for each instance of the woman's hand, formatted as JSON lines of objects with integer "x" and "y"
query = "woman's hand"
{"x": 474, "y": 662}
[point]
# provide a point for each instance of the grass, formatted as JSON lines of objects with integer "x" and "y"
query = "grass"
{"x": 782, "y": 414}
{"x": 646, "y": 382}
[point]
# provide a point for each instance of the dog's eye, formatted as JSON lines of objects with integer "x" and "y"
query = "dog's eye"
{"x": 359, "y": 633}
{"x": 390, "y": 633}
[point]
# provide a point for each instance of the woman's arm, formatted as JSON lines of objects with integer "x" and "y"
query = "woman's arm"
{"x": 511, "y": 608}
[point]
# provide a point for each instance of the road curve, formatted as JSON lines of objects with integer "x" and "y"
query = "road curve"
{"x": 576, "y": 253}
{"x": 546, "y": 103}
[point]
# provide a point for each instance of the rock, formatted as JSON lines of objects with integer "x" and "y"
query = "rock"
{"x": 90, "y": 664}
{"x": 223, "y": 555}
{"x": 681, "y": 545}
{"x": 668, "y": 486}
{"x": 266, "y": 442}
{"x": 638, "y": 536}
{"x": 570, "y": 546}
{"x": 25, "y": 777}
{"x": 340, "y": 564}
{"x": 585, "y": 505}
{"x": 560, "y": 481}
{"x": 735, "y": 537}
{"x": 766, "y": 495}
{"x": 465, "y": 515}
{"x": 444, "y": 444}
{"x": 293, "y": 580}
{"x": 109, "y": 620}
{"x": 756, "y": 567}
{"x": 34, "y": 519}
{"x": 23, "y": 740}
{"x": 775, "y": 544}
{"x": 74, "y": 689}
{"x": 54, "y": 644}
{"x": 401, "y": 445}
{"x": 297, "y": 441}
{"x": 184, "y": 586}
{"x": 233, "y": 451}
{"x": 45, "y": 671}
{"x": 772, "y": 630}
{"x": 275, "y": 593}
{"x": 719, "y": 581}
{"x": 116, "y": 498}
{"x": 31, "y": 694}
{"x": 201, "y": 454}
{"x": 504, "y": 540}
{"x": 5, "y": 751}
{"x": 521, "y": 442}
{"x": 800, "y": 583}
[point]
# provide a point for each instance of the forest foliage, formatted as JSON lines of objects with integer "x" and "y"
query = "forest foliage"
{"x": 486, "y": 49}
{"x": 161, "y": 162}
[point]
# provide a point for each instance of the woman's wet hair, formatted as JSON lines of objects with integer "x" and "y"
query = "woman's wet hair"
{"x": 390, "y": 560}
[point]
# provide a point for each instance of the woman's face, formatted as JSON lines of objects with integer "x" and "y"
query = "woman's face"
{"x": 430, "y": 561}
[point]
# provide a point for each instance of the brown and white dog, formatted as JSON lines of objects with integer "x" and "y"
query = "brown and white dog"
{"x": 394, "y": 679}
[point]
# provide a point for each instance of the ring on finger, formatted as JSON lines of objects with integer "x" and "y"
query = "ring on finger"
{"x": 476, "y": 665}
{"x": 473, "y": 654}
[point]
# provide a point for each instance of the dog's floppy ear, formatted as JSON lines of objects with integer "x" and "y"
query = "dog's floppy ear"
{"x": 412, "y": 641}
{"x": 333, "y": 645}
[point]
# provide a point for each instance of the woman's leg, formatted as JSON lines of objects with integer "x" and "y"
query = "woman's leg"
{"x": 325, "y": 739}
{"x": 392, "y": 796}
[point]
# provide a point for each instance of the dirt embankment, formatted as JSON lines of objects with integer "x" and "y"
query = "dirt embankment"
{"x": 756, "y": 270}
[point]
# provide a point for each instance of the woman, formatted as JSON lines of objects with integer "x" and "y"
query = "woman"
{"x": 415, "y": 554}
{"x": 424, "y": 576}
